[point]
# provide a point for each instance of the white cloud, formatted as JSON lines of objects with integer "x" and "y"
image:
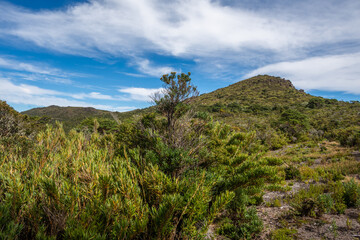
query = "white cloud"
{"x": 182, "y": 28}
{"x": 27, "y": 67}
{"x": 134, "y": 74}
{"x": 32, "y": 95}
{"x": 32, "y": 71}
{"x": 140, "y": 94}
{"x": 245, "y": 33}
{"x": 329, "y": 73}
{"x": 144, "y": 66}
{"x": 92, "y": 95}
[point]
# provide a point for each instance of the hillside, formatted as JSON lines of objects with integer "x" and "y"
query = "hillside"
{"x": 249, "y": 104}
{"x": 259, "y": 103}
{"x": 72, "y": 116}
{"x": 279, "y": 164}
{"x": 13, "y": 124}
{"x": 265, "y": 90}
{"x": 266, "y": 102}
{"x": 273, "y": 91}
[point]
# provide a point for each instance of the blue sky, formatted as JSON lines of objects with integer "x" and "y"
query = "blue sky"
{"x": 110, "y": 54}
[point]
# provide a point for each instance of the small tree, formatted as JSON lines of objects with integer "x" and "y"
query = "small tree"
{"x": 170, "y": 101}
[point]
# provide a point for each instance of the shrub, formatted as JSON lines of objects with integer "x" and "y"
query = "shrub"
{"x": 292, "y": 172}
{"x": 351, "y": 194}
{"x": 293, "y": 123}
{"x": 247, "y": 226}
{"x": 273, "y": 161}
{"x": 283, "y": 234}
{"x": 308, "y": 173}
{"x": 349, "y": 136}
{"x": 315, "y": 103}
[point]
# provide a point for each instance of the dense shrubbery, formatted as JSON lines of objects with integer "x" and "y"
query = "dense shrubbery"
{"x": 132, "y": 184}
{"x": 333, "y": 197}
{"x": 349, "y": 136}
{"x": 171, "y": 175}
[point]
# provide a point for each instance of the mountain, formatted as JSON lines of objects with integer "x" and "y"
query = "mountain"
{"x": 257, "y": 103}
{"x": 72, "y": 116}
{"x": 283, "y": 157}
{"x": 263, "y": 89}
{"x": 260, "y": 101}
{"x": 69, "y": 116}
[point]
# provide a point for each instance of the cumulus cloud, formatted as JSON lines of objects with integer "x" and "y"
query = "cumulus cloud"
{"x": 329, "y": 73}
{"x": 28, "y": 94}
{"x": 140, "y": 94}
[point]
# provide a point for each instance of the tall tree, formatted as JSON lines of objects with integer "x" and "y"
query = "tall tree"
{"x": 170, "y": 101}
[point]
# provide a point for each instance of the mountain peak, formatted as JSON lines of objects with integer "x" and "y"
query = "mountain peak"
{"x": 268, "y": 80}
{"x": 261, "y": 89}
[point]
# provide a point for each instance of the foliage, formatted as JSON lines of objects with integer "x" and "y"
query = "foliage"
{"x": 349, "y": 136}
{"x": 293, "y": 123}
{"x": 333, "y": 197}
{"x": 104, "y": 186}
{"x": 352, "y": 194}
{"x": 11, "y": 122}
{"x": 101, "y": 125}
{"x": 283, "y": 234}
{"x": 247, "y": 226}
{"x": 315, "y": 103}
{"x": 170, "y": 102}
{"x": 291, "y": 172}
{"x": 138, "y": 178}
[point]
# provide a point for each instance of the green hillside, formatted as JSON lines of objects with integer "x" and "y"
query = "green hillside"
{"x": 73, "y": 116}
{"x": 256, "y": 103}
{"x": 258, "y": 159}
{"x": 70, "y": 116}
{"x": 266, "y": 103}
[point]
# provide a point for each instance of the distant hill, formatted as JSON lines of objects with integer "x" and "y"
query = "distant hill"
{"x": 255, "y": 103}
{"x": 67, "y": 113}
{"x": 72, "y": 116}
{"x": 262, "y": 89}
{"x": 265, "y": 102}
{"x": 12, "y": 123}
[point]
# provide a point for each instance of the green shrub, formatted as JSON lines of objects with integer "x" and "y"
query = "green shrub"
{"x": 292, "y": 172}
{"x": 352, "y": 194}
{"x": 315, "y": 103}
{"x": 273, "y": 161}
{"x": 283, "y": 234}
{"x": 247, "y": 226}
{"x": 276, "y": 203}
{"x": 349, "y": 136}
{"x": 293, "y": 123}
{"x": 308, "y": 173}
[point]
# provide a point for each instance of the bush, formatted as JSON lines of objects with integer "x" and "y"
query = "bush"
{"x": 315, "y": 103}
{"x": 308, "y": 173}
{"x": 292, "y": 172}
{"x": 283, "y": 234}
{"x": 351, "y": 194}
{"x": 349, "y": 136}
{"x": 273, "y": 161}
{"x": 293, "y": 123}
{"x": 319, "y": 199}
{"x": 247, "y": 226}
